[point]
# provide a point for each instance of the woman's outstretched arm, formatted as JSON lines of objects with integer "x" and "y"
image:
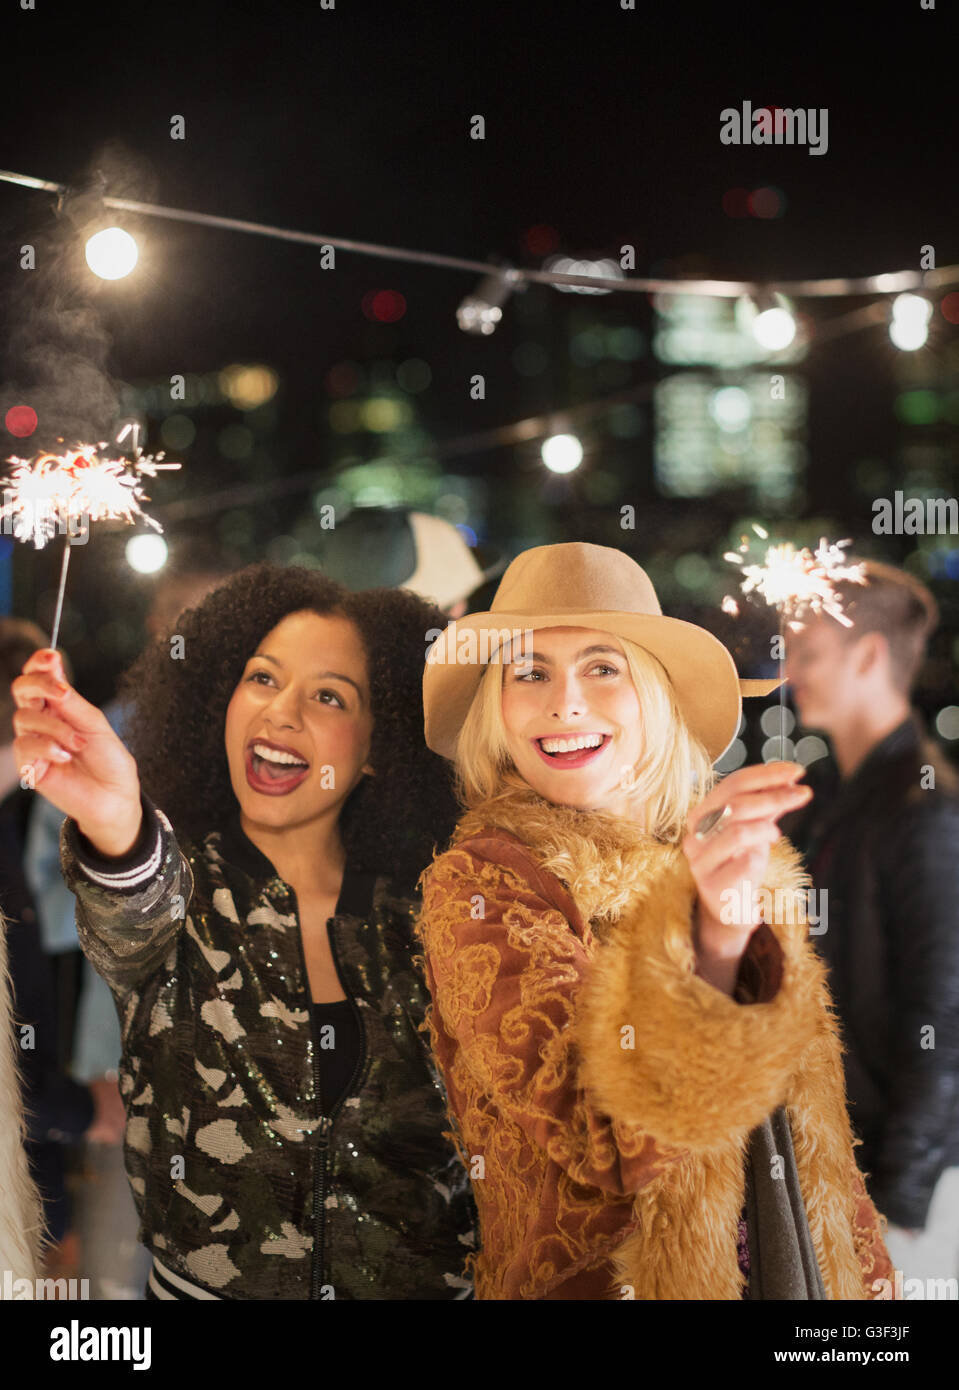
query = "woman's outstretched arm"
{"x": 118, "y": 852}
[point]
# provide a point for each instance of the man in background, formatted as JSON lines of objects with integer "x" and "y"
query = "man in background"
{"x": 881, "y": 840}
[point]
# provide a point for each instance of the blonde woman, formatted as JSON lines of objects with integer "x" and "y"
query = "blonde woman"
{"x": 642, "y": 1064}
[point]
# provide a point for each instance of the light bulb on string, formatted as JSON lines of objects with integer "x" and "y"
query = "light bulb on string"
{"x": 768, "y": 316}
{"x": 603, "y": 270}
{"x": 562, "y": 453}
{"x": 111, "y": 253}
{"x": 481, "y": 311}
{"x": 909, "y": 324}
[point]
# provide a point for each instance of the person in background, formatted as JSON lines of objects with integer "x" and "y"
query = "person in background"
{"x": 881, "y": 838}
{"x": 106, "y": 1219}
{"x": 57, "y": 1108}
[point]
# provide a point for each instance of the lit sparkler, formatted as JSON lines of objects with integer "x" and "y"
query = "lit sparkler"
{"x": 799, "y": 584}
{"x": 52, "y": 492}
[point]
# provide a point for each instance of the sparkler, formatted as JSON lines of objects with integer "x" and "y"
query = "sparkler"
{"x": 798, "y": 584}
{"x": 52, "y": 492}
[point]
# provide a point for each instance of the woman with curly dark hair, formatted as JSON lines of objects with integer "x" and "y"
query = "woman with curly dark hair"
{"x": 245, "y": 884}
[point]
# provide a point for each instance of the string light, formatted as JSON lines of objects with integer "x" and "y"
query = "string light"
{"x": 481, "y": 311}
{"x": 897, "y": 282}
{"x": 769, "y": 318}
{"x": 562, "y": 453}
{"x": 112, "y": 253}
{"x": 909, "y": 325}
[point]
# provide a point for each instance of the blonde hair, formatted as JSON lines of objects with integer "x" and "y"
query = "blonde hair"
{"x": 672, "y": 775}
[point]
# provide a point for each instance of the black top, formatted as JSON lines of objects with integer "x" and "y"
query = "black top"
{"x": 338, "y": 1049}
{"x": 883, "y": 844}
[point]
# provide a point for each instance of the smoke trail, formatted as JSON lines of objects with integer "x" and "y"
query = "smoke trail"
{"x": 57, "y": 347}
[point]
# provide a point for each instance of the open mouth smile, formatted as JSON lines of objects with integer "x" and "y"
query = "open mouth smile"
{"x": 571, "y": 750}
{"x": 274, "y": 769}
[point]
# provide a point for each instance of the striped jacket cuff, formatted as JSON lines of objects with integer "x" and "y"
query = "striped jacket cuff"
{"x": 136, "y": 868}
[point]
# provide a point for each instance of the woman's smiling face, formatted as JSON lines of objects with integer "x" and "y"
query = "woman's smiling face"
{"x": 574, "y": 685}
{"x": 299, "y": 725}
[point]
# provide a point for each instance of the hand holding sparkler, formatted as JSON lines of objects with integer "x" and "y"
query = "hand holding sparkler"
{"x": 67, "y": 751}
{"x": 730, "y": 861}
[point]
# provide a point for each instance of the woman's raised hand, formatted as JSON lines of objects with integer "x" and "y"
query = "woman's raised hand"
{"x": 67, "y": 751}
{"x": 730, "y": 863}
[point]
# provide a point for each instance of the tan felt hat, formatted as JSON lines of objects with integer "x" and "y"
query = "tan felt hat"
{"x": 581, "y": 585}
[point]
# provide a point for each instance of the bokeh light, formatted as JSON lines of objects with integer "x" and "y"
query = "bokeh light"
{"x": 730, "y": 407}
{"x": 949, "y": 308}
{"x": 810, "y": 749}
{"x": 247, "y": 387}
{"x": 605, "y": 269}
{"x": 774, "y": 329}
{"x": 112, "y": 253}
{"x": 381, "y": 414}
{"x": 384, "y": 306}
{"x": 947, "y": 722}
{"x": 776, "y": 750}
{"x": 693, "y": 572}
{"x": 734, "y": 756}
{"x": 21, "y": 421}
{"x": 562, "y": 453}
{"x": 767, "y": 203}
{"x": 770, "y": 717}
{"x": 147, "y": 553}
{"x": 918, "y": 407}
{"x": 909, "y": 325}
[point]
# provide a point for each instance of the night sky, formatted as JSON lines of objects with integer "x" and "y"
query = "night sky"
{"x": 600, "y": 123}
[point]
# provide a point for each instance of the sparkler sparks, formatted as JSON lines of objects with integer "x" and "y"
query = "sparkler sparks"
{"x": 48, "y": 494}
{"x": 797, "y": 583}
{"x": 53, "y": 492}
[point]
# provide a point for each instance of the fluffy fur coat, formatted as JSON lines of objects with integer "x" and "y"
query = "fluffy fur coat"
{"x": 602, "y": 1094}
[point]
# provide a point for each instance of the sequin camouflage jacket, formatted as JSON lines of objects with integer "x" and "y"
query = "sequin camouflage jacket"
{"x": 240, "y": 1183}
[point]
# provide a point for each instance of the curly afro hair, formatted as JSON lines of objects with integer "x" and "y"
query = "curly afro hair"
{"x": 390, "y": 823}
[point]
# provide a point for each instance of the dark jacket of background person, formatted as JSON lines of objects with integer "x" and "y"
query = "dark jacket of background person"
{"x": 886, "y": 849}
{"x": 240, "y": 1183}
{"x": 57, "y": 1108}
